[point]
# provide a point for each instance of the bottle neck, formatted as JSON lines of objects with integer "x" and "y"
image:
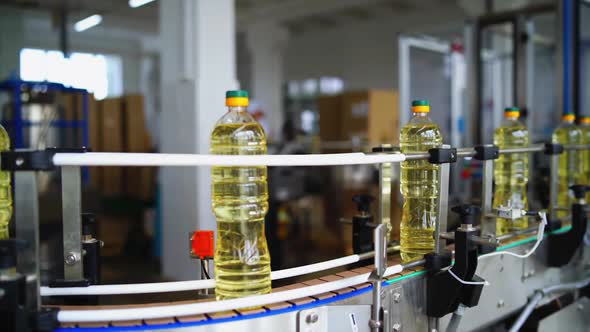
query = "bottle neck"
{"x": 511, "y": 118}
{"x": 420, "y": 114}
{"x": 236, "y": 109}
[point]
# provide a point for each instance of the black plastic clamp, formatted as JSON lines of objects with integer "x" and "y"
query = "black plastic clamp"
{"x": 553, "y": 148}
{"x": 362, "y": 225}
{"x": 384, "y": 148}
{"x": 444, "y": 293}
{"x": 563, "y": 246}
{"x": 33, "y": 160}
{"x": 486, "y": 152}
{"x": 13, "y": 303}
{"x": 442, "y": 155}
{"x": 91, "y": 247}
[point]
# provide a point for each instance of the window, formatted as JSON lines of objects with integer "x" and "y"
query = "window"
{"x": 97, "y": 73}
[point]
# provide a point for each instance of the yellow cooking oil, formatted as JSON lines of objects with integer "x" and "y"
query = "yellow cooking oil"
{"x": 419, "y": 184}
{"x": 240, "y": 203}
{"x": 570, "y": 162}
{"x": 585, "y": 128}
{"x": 511, "y": 171}
{"x": 5, "y": 190}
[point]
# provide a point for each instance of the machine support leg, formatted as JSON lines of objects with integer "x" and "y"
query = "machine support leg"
{"x": 443, "y": 207}
{"x": 385, "y": 175}
{"x": 376, "y": 323}
{"x": 554, "y": 187}
{"x": 488, "y": 225}
{"x": 26, "y": 207}
{"x": 72, "y": 223}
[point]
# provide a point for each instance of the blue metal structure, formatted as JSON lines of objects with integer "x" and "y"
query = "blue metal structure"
{"x": 17, "y": 124}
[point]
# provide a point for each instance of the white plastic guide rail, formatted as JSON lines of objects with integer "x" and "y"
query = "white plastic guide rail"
{"x": 171, "y": 159}
{"x": 178, "y": 286}
{"x": 107, "y": 315}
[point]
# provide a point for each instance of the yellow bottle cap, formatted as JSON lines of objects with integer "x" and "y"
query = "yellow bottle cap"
{"x": 512, "y": 112}
{"x": 234, "y": 98}
{"x": 420, "y": 106}
{"x": 568, "y": 117}
{"x": 585, "y": 120}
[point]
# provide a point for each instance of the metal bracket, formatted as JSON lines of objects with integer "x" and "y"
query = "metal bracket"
{"x": 385, "y": 178}
{"x": 443, "y": 207}
{"x": 396, "y": 297}
{"x": 32, "y": 160}
{"x": 553, "y": 187}
{"x": 72, "y": 222}
{"x": 26, "y": 208}
{"x": 335, "y": 318}
{"x": 488, "y": 225}
{"x": 376, "y": 277}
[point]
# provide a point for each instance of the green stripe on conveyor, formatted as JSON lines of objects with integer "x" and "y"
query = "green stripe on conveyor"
{"x": 508, "y": 246}
{"x": 532, "y": 239}
{"x": 417, "y": 273}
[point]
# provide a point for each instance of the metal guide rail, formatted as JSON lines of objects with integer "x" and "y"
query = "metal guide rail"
{"x": 376, "y": 278}
{"x": 412, "y": 277}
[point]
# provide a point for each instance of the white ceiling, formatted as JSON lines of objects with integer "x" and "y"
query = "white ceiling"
{"x": 297, "y": 15}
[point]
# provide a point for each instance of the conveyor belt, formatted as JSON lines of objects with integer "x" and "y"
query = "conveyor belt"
{"x": 266, "y": 310}
{"x": 271, "y": 309}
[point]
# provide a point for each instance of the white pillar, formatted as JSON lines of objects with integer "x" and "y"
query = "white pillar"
{"x": 197, "y": 67}
{"x": 11, "y": 41}
{"x": 266, "y": 42}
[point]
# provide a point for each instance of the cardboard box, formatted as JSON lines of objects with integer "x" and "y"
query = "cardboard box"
{"x": 94, "y": 138}
{"x": 113, "y": 231}
{"x": 371, "y": 116}
{"x": 137, "y": 138}
{"x": 112, "y": 141}
{"x": 141, "y": 182}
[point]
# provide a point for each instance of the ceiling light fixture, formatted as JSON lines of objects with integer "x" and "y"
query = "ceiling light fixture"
{"x": 138, "y": 3}
{"x": 87, "y": 23}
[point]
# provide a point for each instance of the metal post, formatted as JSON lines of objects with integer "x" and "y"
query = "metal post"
{"x": 72, "y": 222}
{"x": 488, "y": 225}
{"x": 18, "y": 119}
{"x": 554, "y": 186}
{"x": 26, "y": 208}
{"x": 376, "y": 277}
{"x": 443, "y": 207}
{"x": 385, "y": 175}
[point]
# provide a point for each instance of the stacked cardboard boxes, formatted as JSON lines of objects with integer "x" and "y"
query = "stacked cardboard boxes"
{"x": 118, "y": 125}
{"x": 370, "y": 116}
{"x": 367, "y": 117}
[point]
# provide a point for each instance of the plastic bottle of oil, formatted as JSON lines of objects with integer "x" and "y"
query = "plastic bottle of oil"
{"x": 585, "y": 128}
{"x": 511, "y": 171}
{"x": 570, "y": 162}
{"x": 240, "y": 202}
{"x": 419, "y": 184}
{"x": 5, "y": 189}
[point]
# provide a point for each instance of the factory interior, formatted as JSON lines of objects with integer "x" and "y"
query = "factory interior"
{"x": 294, "y": 165}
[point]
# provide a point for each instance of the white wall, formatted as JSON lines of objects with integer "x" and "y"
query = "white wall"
{"x": 364, "y": 54}
{"x": 33, "y": 29}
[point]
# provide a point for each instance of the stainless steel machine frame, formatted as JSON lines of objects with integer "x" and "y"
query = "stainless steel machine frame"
{"x": 393, "y": 304}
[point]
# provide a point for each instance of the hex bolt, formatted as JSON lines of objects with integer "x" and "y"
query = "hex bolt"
{"x": 396, "y": 297}
{"x": 396, "y": 327}
{"x": 374, "y": 324}
{"x": 500, "y": 303}
{"x": 19, "y": 161}
{"x": 312, "y": 318}
{"x": 580, "y": 306}
{"x": 71, "y": 259}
